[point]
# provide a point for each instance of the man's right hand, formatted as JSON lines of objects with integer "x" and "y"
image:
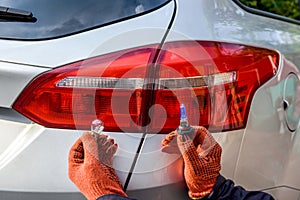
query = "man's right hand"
{"x": 201, "y": 155}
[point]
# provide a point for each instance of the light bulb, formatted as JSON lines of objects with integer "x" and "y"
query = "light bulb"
{"x": 97, "y": 126}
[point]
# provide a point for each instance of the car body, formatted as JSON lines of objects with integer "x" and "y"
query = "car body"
{"x": 57, "y": 76}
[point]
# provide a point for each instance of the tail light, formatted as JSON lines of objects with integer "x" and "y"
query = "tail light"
{"x": 135, "y": 90}
{"x": 216, "y": 81}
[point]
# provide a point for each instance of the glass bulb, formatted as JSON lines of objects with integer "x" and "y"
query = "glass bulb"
{"x": 97, "y": 126}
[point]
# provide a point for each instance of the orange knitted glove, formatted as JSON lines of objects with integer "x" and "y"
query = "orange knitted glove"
{"x": 201, "y": 155}
{"x": 90, "y": 166}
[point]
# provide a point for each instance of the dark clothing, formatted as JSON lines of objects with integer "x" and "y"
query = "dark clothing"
{"x": 224, "y": 189}
{"x": 114, "y": 197}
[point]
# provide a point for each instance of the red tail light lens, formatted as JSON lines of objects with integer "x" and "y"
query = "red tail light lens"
{"x": 72, "y": 96}
{"x": 216, "y": 81}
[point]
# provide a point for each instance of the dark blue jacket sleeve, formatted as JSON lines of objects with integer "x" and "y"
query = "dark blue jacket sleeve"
{"x": 225, "y": 189}
{"x": 114, "y": 197}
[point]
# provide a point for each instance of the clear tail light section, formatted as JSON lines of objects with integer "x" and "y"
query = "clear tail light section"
{"x": 136, "y": 90}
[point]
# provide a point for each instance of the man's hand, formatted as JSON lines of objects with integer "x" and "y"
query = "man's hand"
{"x": 201, "y": 155}
{"x": 90, "y": 166}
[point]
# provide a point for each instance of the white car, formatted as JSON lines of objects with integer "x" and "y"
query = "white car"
{"x": 131, "y": 64}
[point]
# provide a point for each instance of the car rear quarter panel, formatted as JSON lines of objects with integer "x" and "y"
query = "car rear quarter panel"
{"x": 266, "y": 137}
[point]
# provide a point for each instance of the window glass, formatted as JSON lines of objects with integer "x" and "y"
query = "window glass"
{"x": 57, "y": 18}
{"x": 286, "y": 8}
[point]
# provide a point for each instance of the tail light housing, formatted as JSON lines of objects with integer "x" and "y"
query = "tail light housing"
{"x": 141, "y": 89}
